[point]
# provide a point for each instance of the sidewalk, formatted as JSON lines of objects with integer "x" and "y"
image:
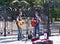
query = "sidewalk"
{"x": 13, "y": 40}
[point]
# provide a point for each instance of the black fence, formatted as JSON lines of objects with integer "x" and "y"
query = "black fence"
{"x": 11, "y": 27}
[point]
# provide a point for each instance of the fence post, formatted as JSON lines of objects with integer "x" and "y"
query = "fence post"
{"x": 4, "y": 27}
{"x": 59, "y": 31}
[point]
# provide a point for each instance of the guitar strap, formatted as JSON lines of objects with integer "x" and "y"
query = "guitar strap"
{"x": 20, "y": 18}
{"x": 36, "y": 18}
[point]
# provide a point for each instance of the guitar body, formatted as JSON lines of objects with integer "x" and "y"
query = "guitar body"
{"x": 34, "y": 23}
{"x": 20, "y": 23}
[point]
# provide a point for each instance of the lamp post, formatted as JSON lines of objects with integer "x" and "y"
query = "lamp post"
{"x": 5, "y": 20}
{"x": 46, "y": 11}
{"x": 4, "y": 27}
{"x": 48, "y": 24}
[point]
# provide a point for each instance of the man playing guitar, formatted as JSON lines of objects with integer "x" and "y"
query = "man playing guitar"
{"x": 36, "y": 23}
{"x": 19, "y": 23}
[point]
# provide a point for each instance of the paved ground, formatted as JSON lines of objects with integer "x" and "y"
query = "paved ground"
{"x": 13, "y": 40}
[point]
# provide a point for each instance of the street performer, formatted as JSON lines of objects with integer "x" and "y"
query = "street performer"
{"x": 19, "y": 24}
{"x": 36, "y": 23}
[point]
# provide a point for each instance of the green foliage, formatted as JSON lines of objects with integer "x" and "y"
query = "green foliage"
{"x": 5, "y": 2}
{"x": 30, "y": 2}
{"x": 34, "y": 2}
{"x": 54, "y": 7}
{"x": 38, "y": 2}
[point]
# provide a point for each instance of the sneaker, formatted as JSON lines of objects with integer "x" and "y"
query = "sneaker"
{"x": 18, "y": 39}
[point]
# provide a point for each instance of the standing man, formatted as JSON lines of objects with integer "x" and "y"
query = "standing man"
{"x": 19, "y": 18}
{"x": 37, "y": 26}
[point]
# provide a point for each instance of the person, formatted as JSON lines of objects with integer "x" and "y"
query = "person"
{"x": 37, "y": 27}
{"x": 19, "y": 18}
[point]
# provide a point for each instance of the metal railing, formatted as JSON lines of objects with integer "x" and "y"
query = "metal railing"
{"x": 11, "y": 27}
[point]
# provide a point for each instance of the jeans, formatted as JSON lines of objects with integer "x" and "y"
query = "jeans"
{"x": 37, "y": 30}
{"x": 20, "y": 33}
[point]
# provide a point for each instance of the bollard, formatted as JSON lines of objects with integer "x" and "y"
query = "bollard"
{"x": 59, "y": 31}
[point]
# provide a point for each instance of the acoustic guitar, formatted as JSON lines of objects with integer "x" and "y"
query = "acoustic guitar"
{"x": 21, "y": 23}
{"x": 34, "y": 23}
